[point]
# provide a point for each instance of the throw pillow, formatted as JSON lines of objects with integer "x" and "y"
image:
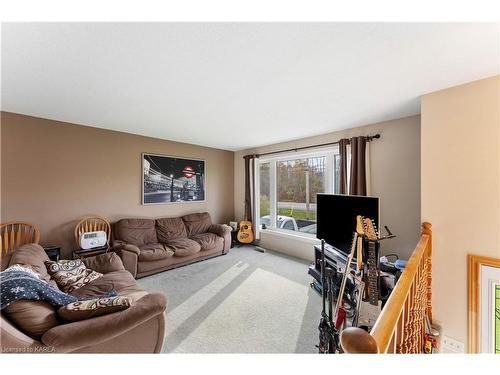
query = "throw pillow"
{"x": 104, "y": 263}
{"x": 81, "y": 310}
{"x": 70, "y": 274}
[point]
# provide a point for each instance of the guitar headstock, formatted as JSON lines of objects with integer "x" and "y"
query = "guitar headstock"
{"x": 370, "y": 228}
{"x": 360, "y": 226}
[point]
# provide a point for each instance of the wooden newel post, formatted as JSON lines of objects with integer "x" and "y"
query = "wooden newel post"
{"x": 357, "y": 341}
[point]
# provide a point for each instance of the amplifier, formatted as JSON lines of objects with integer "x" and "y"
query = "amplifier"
{"x": 334, "y": 259}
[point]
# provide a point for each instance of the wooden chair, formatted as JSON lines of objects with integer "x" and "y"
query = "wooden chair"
{"x": 92, "y": 224}
{"x": 15, "y": 234}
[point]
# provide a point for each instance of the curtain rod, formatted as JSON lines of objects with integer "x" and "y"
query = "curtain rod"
{"x": 368, "y": 139}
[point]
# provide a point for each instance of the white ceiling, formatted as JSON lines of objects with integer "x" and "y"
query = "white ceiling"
{"x": 236, "y": 85}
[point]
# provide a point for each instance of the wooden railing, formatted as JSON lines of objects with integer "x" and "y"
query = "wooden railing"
{"x": 400, "y": 328}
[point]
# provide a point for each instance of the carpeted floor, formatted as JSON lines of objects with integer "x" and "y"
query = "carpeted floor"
{"x": 243, "y": 302}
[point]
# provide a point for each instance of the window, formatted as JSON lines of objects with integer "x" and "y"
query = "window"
{"x": 288, "y": 185}
{"x": 265, "y": 194}
{"x": 336, "y": 161}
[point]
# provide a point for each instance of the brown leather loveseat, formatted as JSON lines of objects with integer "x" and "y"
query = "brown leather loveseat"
{"x": 148, "y": 246}
{"x": 29, "y": 326}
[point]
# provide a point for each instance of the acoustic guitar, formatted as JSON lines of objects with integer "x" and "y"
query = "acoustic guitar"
{"x": 245, "y": 233}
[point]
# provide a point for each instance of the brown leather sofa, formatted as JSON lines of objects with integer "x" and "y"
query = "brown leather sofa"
{"x": 148, "y": 246}
{"x": 34, "y": 327}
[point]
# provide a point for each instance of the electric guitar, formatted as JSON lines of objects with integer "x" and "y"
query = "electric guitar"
{"x": 373, "y": 239}
{"x": 340, "y": 297}
{"x": 331, "y": 323}
{"x": 245, "y": 233}
{"x": 369, "y": 310}
{"x": 360, "y": 229}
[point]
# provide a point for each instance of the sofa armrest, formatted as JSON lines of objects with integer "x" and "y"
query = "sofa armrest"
{"x": 14, "y": 341}
{"x": 223, "y": 231}
{"x": 73, "y": 336}
{"x": 125, "y": 246}
{"x": 104, "y": 263}
{"x": 129, "y": 255}
{"x": 220, "y": 229}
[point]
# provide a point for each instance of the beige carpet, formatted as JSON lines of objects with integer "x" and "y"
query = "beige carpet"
{"x": 244, "y": 302}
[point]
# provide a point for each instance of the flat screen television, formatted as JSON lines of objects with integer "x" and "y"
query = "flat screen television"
{"x": 336, "y": 217}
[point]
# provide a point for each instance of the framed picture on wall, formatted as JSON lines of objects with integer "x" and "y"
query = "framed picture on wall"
{"x": 484, "y": 304}
{"x": 171, "y": 179}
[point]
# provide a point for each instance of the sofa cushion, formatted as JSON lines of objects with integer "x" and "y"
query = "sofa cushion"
{"x": 183, "y": 247}
{"x": 170, "y": 228}
{"x": 208, "y": 241}
{"x": 154, "y": 251}
{"x": 34, "y": 318}
{"x": 33, "y": 256}
{"x": 87, "y": 309}
{"x": 104, "y": 263}
{"x": 138, "y": 232}
{"x": 148, "y": 268}
{"x": 71, "y": 274}
{"x": 117, "y": 280}
{"x": 197, "y": 223}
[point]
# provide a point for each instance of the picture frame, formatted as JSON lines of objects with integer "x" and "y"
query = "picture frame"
{"x": 233, "y": 225}
{"x": 484, "y": 304}
{"x": 170, "y": 179}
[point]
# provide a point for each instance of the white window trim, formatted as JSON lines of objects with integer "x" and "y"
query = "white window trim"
{"x": 272, "y": 195}
{"x": 329, "y": 153}
{"x": 290, "y": 234}
{"x": 314, "y": 152}
{"x": 256, "y": 197}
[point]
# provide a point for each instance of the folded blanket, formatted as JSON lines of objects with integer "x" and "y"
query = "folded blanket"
{"x": 18, "y": 282}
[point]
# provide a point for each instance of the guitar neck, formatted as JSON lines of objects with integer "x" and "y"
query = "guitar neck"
{"x": 346, "y": 273}
{"x": 372, "y": 270}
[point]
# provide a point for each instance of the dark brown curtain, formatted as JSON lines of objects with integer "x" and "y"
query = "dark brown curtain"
{"x": 343, "y": 165}
{"x": 357, "y": 183}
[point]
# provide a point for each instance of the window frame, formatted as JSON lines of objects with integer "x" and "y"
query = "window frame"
{"x": 328, "y": 152}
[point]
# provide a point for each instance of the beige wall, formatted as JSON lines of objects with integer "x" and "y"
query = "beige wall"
{"x": 395, "y": 166}
{"x": 54, "y": 173}
{"x": 460, "y": 190}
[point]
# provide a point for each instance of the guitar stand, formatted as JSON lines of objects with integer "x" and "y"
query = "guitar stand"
{"x": 329, "y": 336}
{"x": 329, "y": 330}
